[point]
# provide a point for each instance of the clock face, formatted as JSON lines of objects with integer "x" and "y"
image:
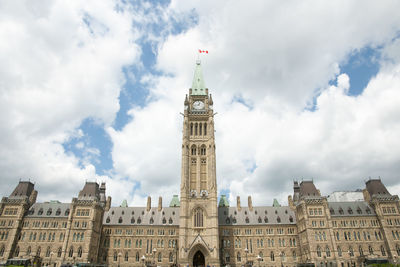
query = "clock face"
{"x": 198, "y": 105}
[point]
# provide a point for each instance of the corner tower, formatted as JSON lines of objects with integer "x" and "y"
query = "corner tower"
{"x": 198, "y": 224}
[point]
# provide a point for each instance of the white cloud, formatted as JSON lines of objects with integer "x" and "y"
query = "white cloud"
{"x": 277, "y": 58}
{"x": 62, "y": 62}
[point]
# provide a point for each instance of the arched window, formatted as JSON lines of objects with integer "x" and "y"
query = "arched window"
{"x": 71, "y": 252}
{"x": 383, "y": 251}
{"x": 2, "y": 251}
{"x": 48, "y": 252}
{"x": 318, "y": 251}
{"x": 227, "y": 257}
{"x": 283, "y": 256}
{"x": 139, "y": 221}
{"x": 351, "y": 251}
{"x": 126, "y": 257}
{"x": 360, "y": 249}
{"x": 133, "y": 220}
{"x": 227, "y": 221}
{"x": 259, "y": 220}
{"x": 370, "y": 250}
{"x": 198, "y": 217}
{"x": 291, "y": 219}
{"x": 247, "y": 220}
{"x": 171, "y": 257}
{"x": 137, "y": 257}
{"x": 265, "y": 219}
{"x": 294, "y": 255}
{"x": 59, "y": 251}
{"x": 40, "y": 211}
{"x": 170, "y": 221}
{"x": 195, "y": 128}
{"x": 115, "y": 256}
{"x": 398, "y": 250}
{"x": 238, "y": 257}
{"x": 272, "y": 256}
{"x": 66, "y": 212}
{"x": 193, "y": 150}
{"x": 205, "y": 128}
{"x": 58, "y": 211}
{"x": 164, "y": 221}
{"x": 191, "y": 129}
{"x": 16, "y": 253}
{"x": 203, "y": 150}
{"x": 79, "y": 252}
{"x": 38, "y": 251}
{"x": 28, "y": 251}
{"x": 159, "y": 257}
{"x": 151, "y": 220}
{"x": 327, "y": 251}
{"x": 120, "y": 220}
{"x": 200, "y": 129}
{"x": 278, "y": 219}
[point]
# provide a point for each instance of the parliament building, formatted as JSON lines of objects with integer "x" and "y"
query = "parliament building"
{"x": 343, "y": 229}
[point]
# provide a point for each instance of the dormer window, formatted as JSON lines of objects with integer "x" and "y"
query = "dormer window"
{"x": 133, "y": 220}
{"x": 120, "y": 220}
{"x": 265, "y": 219}
{"x": 234, "y": 220}
{"x": 368, "y": 210}
{"x": 108, "y": 220}
{"x": 164, "y": 221}
{"x": 58, "y": 211}
{"x": 341, "y": 210}
{"x": 291, "y": 219}
{"x": 66, "y": 212}
{"x": 247, "y": 220}
{"x": 332, "y": 211}
{"x": 151, "y": 220}
{"x": 49, "y": 211}
{"x": 359, "y": 210}
{"x": 139, "y": 221}
{"x": 350, "y": 211}
{"x": 278, "y": 219}
{"x": 170, "y": 221}
{"x": 133, "y": 213}
{"x": 227, "y": 221}
{"x": 265, "y": 211}
{"x": 259, "y": 220}
{"x": 31, "y": 211}
{"x": 40, "y": 211}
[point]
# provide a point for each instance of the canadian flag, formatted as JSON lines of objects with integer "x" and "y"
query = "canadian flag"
{"x": 203, "y": 51}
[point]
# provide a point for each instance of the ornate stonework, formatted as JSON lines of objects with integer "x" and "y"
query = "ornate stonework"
{"x": 346, "y": 229}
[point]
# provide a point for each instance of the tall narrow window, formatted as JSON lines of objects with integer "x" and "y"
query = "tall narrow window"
{"x": 71, "y": 252}
{"x": 200, "y": 128}
{"x": 198, "y": 218}
{"x": 319, "y": 251}
{"x": 59, "y": 252}
{"x": 205, "y": 128}
{"x": 191, "y": 129}
{"x": 79, "y": 252}
{"x": 383, "y": 251}
{"x": 195, "y": 128}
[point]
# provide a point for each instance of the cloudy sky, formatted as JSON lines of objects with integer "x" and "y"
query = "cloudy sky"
{"x": 92, "y": 91}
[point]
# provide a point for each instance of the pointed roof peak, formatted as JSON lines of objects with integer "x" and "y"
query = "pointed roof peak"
{"x": 198, "y": 85}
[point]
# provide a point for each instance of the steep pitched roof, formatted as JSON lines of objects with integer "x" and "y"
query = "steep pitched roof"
{"x": 198, "y": 85}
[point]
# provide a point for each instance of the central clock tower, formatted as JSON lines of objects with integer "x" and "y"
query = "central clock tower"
{"x": 198, "y": 223}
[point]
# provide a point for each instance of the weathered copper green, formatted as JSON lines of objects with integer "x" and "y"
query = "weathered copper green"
{"x": 198, "y": 85}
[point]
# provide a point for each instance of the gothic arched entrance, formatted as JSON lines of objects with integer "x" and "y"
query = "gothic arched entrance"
{"x": 198, "y": 259}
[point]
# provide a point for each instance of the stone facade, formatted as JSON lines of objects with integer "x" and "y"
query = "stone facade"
{"x": 345, "y": 229}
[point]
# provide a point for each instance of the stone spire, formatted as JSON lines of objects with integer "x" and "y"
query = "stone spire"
{"x": 198, "y": 85}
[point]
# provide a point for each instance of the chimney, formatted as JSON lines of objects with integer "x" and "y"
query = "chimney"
{"x": 239, "y": 208}
{"x": 250, "y": 203}
{"x": 108, "y": 204}
{"x": 159, "y": 203}
{"x": 148, "y": 203}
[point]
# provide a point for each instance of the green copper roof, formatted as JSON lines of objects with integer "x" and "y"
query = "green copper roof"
{"x": 198, "y": 85}
{"x": 276, "y": 203}
{"x": 223, "y": 202}
{"x": 175, "y": 202}
{"x": 124, "y": 204}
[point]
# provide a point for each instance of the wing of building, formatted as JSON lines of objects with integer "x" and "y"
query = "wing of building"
{"x": 343, "y": 229}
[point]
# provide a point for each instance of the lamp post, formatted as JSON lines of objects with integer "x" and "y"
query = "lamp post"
{"x": 143, "y": 259}
{"x": 154, "y": 256}
{"x": 259, "y": 260}
{"x": 51, "y": 255}
{"x": 246, "y": 250}
{"x": 119, "y": 258}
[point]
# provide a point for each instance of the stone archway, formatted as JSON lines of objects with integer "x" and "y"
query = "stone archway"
{"x": 199, "y": 259}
